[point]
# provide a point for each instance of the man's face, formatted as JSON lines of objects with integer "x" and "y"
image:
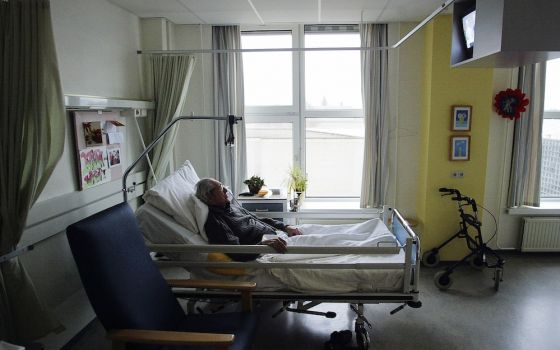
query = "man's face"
{"x": 218, "y": 195}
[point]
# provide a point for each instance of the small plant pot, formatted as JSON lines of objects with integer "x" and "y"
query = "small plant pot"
{"x": 254, "y": 189}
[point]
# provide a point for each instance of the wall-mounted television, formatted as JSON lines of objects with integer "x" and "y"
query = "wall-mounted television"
{"x": 468, "y": 29}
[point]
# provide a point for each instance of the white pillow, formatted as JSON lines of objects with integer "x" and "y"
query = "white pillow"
{"x": 200, "y": 215}
{"x": 172, "y": 195}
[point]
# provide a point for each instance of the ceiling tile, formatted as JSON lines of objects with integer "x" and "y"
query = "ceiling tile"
{"x": 285, "y": 11}
{"x": 217, "y": 5}
{"x": 184, "y": 17}
{"x": 140, "y": 7}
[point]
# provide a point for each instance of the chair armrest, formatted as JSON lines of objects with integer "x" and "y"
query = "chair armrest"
{"x": 141, "y": 336}
{"x": 212, "y": 284}
{"x": 244, "y": 287}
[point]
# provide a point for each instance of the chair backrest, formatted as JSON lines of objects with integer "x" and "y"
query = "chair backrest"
{"x": 123, "y": 284}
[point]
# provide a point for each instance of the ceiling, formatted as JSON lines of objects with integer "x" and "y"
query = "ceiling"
{"x": 263, "y": 12}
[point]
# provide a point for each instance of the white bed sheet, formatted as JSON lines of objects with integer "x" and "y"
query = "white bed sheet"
{"x": 159, "y": 227}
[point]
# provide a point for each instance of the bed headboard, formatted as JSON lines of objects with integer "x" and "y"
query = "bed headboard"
{"x": 401, "y": 230}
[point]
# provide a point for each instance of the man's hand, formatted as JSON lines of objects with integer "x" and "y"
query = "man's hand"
{"x": 292, "y": 231}
{"x": 277, "y": 243}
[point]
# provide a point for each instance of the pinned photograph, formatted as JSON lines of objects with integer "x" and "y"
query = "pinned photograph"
{"x": 460, "y": 147}
{"x": 93, "y": 134}
{"x": 461, "y": 118}
{"x": 114, "y": 157}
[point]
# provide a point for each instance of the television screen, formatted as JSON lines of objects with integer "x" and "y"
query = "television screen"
{"x": 468, "y": 29}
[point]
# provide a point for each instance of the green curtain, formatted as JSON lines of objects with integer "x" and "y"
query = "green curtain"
{"x": 525, "y": 173}
{"x": 31, "y": 142}
{"x": 375, "y": 96}
{"x": 228, "y": 99}
{"x": 170, "y": 81}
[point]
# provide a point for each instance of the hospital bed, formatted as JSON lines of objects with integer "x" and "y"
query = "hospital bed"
{"x": 384, "y": 272}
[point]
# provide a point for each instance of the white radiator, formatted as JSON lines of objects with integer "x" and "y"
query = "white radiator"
{"x": 541, "y": 235}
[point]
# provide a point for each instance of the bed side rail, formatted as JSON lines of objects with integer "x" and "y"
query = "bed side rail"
{"x": 325, "y": 214}
{"x": 382, "y": 248}
{"x": 406, "y": 237}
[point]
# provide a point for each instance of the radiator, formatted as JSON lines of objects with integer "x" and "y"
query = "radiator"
{"x": 541, "y": 235}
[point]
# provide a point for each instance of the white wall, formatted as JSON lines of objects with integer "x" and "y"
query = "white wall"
{"x": 405, "y": 105}
{"x": 96, "y": 45}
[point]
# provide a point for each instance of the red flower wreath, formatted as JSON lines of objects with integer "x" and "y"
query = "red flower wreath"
{"x": 510, "y": 103}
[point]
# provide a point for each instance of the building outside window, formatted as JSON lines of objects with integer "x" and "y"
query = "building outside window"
{"x": 305, "y": 108}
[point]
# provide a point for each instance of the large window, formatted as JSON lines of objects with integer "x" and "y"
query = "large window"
{"x": 550, "y": 168}
{"x": 305, "y": 108}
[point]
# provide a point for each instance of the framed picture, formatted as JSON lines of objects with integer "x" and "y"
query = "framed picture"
{"x": 461, "y": 118}
{"x": 460, "y": 147}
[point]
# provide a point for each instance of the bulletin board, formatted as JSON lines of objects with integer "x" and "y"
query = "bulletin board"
{"x": 99, "y": 141}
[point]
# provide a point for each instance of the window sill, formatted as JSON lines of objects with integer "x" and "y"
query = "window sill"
{"x": 343, "y": 205}
{"x": 546, "y": 209}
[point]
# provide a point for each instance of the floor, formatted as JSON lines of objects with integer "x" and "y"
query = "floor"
{"x": 524, "y": 314}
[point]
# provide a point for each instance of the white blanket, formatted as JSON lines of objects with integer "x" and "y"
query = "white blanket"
{"x": 367, "y": 234}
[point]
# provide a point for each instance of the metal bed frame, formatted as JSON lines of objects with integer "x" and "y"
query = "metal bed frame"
{"x": 407, "y": 241}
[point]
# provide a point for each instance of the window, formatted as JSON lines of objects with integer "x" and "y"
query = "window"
{"x": 550, "y": 167}
{"x": 267, "y": 76}
{"x": 269, "y": 151}
{"x": 305, "y": 108}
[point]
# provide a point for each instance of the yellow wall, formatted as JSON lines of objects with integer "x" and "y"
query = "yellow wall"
{"x": 445, "y": 87}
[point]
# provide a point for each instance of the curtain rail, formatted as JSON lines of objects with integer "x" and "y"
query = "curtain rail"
{"x": 437, "y": 11}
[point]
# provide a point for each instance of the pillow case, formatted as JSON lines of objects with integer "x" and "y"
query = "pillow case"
{"x": 200, "y": 216}
{"x": 173, "y": 195}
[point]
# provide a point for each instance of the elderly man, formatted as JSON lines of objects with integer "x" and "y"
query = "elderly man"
{"x": 232, "y": 224}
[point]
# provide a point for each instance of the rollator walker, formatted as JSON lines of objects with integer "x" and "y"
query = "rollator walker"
{"x": 479, "y": 251}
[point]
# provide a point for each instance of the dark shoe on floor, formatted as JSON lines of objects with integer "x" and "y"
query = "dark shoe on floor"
{"x": 341, "y": 338}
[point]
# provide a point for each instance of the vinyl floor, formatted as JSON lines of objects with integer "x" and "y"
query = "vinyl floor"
{"x": 523, "y": 314}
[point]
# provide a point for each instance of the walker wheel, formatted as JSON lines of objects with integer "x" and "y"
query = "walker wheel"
{"x": 498, "y": 272}
{"x": 442, "y": 280}
{"x": 430, "y": 259}
{"x": 477, "y": 262}
{"x": 362, "y": 337}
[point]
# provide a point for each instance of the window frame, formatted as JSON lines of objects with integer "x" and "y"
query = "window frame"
{"x": 296, "y": 114}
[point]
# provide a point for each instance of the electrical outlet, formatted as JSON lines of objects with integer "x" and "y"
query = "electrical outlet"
{"x": 457, "y": 174}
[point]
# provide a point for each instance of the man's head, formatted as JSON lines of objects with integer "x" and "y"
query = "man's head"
{"x": 211, "y": 192}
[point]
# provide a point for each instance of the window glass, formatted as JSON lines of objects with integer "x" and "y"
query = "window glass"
{"x": 334, "y": 151}
{"x": 267, "y": 75}
{"x": 332, "y": 78}
{"x": 551, "y": 95}
{"x": 550, "y": 162}
{"x": 270, "y": 152}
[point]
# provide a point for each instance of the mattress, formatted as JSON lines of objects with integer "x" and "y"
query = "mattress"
{"x": 159, "y": 227}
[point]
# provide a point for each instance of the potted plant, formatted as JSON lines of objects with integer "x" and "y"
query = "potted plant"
{"x": 254, "y": 183}
{"x": 297, "y": 183}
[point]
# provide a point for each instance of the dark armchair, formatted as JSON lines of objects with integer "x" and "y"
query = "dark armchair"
{"x": 134, "y": 302}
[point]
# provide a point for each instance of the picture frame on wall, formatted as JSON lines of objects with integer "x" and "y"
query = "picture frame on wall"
{"x": 460, "y": 147}
{"x": 461, "y": 118}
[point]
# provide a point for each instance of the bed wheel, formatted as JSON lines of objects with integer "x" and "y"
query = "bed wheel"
{"x": 443, "y": 280}
{"x": 362, "y": 337}
{"x": 430, "y": 259}
{"x": 477, "y": 262}
{"x": 497, "y": 278}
